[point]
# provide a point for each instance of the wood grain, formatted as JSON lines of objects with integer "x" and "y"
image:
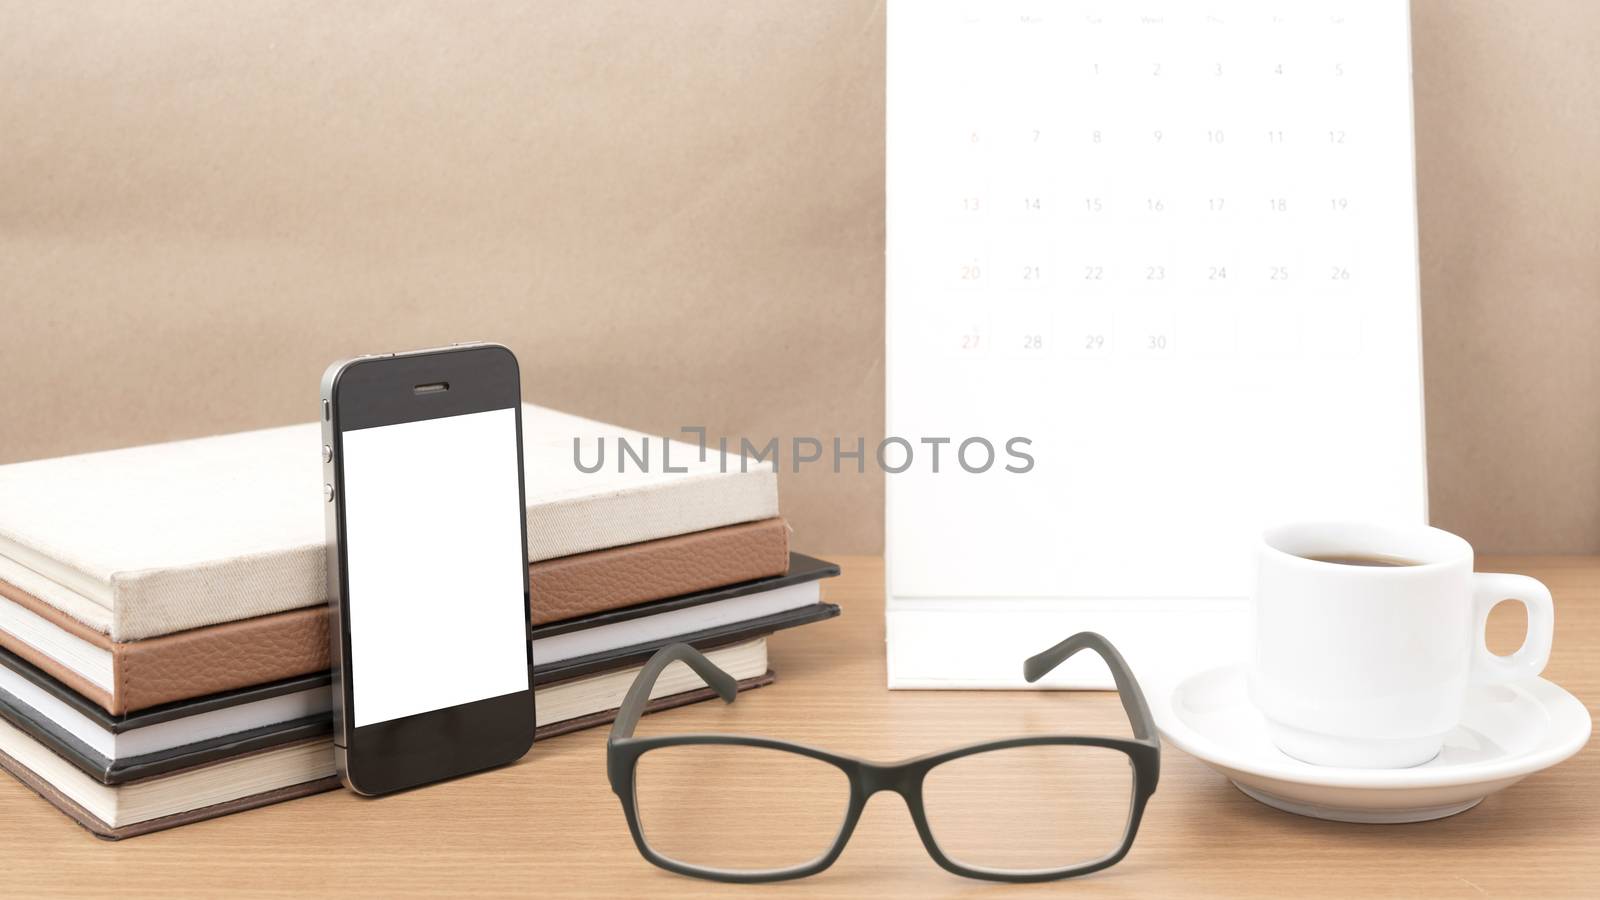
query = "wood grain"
{"x": 550, "y": 825}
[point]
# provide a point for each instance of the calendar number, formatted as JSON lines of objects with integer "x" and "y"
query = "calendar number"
{"x": 1279, "y": 273}
{"x": 1094, "y": 342}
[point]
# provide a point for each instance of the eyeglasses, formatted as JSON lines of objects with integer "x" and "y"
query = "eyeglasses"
{"x": 748, "y": 809}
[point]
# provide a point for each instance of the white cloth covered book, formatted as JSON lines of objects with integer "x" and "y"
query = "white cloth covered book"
{"x": 152, "y": 540}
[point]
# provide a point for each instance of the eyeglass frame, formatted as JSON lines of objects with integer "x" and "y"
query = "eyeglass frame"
{"x": 867, "y": 778}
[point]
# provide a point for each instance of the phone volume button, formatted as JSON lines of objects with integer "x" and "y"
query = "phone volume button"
{"x": 327, "y": 492}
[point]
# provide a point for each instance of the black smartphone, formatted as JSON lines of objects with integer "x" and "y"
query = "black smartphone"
{"x": 427, "y": 565}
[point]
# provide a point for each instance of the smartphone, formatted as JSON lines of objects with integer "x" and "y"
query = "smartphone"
{"x": 427, "y": 565}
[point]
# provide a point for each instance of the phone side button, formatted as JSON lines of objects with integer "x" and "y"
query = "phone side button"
{"x": 327, "y": 492}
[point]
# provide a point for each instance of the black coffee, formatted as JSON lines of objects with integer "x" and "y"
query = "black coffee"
{"x": 1365, "y": 560}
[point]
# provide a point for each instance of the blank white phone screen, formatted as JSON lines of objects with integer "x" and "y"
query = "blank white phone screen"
{"x": 433, "y": 534}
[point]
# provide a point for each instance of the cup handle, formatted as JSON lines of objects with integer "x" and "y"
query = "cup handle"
{"x": 1529, "y": 660}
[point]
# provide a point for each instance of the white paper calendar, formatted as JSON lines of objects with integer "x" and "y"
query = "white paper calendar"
{"x": 1173, "y": 246}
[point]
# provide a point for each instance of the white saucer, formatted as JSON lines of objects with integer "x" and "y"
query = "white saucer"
{"x": 1507, "y": 733}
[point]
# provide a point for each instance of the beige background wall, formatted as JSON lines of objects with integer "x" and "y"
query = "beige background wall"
{"x": 674, "y": 213}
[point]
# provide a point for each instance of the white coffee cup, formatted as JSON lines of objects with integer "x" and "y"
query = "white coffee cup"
{"x": 1367, "y": 666}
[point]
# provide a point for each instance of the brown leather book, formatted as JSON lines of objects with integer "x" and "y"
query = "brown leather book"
{"x": 581, "y": 585}
{"x": 230, "y": 655}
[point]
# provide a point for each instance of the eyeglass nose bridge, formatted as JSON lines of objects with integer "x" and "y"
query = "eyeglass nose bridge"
{"x": 873, "y": 778}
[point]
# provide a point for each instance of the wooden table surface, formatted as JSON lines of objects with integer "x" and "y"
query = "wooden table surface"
{"x": 550, "y": 824}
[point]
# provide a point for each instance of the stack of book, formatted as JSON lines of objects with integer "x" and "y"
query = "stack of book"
{"x": 164, "y": 633}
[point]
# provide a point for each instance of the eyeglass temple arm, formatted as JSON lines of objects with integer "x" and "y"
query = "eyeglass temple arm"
{"x": 1040, "y": 665}
{"x": 638, "y": 698}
